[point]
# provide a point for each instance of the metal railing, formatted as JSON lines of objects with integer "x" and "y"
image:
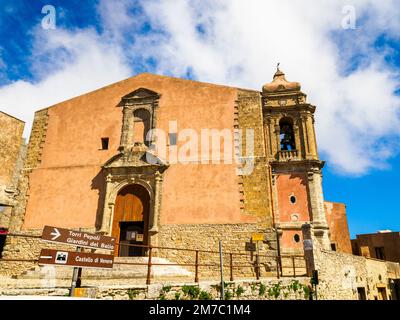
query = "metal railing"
{"x": 285, "y": 265}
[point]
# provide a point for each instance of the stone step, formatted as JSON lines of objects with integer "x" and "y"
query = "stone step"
{"x": 35, "y": 292}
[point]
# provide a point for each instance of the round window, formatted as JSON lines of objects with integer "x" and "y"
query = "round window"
{"x": 296, "y": 238}
{"x": 292, "y": 199}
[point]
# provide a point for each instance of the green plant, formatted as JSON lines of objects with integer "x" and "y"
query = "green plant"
{"x": 307, "y": 292}
{"x": 166, "y": 289}
{"x": 191, "y": 291}
{"x": 275, "y": 290}
{"x": 162, "y": 297}
{"x": 177, "y": 295}
{"x": 204, "y": 295}
{"x": 132, "y": 293}
{"x": 253, "y": 287}
{"x": 262, "y": 289}
{"x": 296, "y": 287}
{"x": 228, "y": 295}
{"x": 239, "y": 291}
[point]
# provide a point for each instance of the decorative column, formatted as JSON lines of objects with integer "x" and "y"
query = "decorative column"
{"x": 125, "y": 130}
{"x": 305, "y": 135}
{"x": 157, "y": 201}
{"x": 296, "y": 130}
{"x": 278, "y": 137}
{"x": 311, "y": 137}
{"x": 319, "y": 222}
{"x": 107, "y": 210}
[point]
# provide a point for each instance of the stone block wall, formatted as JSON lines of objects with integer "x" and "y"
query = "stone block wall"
{"x": 206, "y": 237}
{"x": 254, "y": 188}
{"x": 234, "y": 290}
{"x": 32, "y": 160}
{"x": 12, "y": 147}
{"x": 11, "y": 130}
{"x": 341, "y": 274}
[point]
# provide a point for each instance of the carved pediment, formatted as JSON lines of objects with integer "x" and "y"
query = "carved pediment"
{"x": 137, "y": 157}
{"x": 141, "y": 95}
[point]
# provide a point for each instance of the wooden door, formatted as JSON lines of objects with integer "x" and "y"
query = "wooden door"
{"x": 132, "y": 205}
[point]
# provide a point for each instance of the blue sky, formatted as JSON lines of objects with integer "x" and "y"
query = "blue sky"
{"x": 350, "y": 74}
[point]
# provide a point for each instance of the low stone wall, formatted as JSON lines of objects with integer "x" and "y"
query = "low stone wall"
{"x": 206, "y": 237}
{"x": 284, "y": 289}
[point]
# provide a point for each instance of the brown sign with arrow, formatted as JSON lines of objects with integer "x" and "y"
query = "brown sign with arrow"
{"x": 75, "y": 259}
{"x": 78, "y": 238}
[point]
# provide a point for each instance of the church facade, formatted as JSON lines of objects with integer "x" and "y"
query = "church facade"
{"x": 162, "y": 161}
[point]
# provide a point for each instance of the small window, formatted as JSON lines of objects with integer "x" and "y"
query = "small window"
{"x": 380, "y": 253}
{"x": 104, "y": 143}
{"x": 172, "y": 139}
{"x": 292, "y": 199}
{"x": 296, "y": 238}
{"x": 333, "y": 246}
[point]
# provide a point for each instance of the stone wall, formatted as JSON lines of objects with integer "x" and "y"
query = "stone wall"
{"x": 206, "y": 237}
{"x": 255, "y": 187}
{"x": 11, "y": 141}
{"x": 32, "y": 160}
{"x": 271, "y": 289}
{"x": 341, "y": 274}
{"x": 21, "y": 247}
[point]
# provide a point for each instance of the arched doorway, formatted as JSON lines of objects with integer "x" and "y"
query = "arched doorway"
{"x": 131, "y": 220}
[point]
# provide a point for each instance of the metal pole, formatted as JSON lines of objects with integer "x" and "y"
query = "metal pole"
{"x": 294, "y": 267}
{"x": 196, "y": 276}
{"x": 222, "y": 272}
{"x": 258, "y": 262}
{"x": 74, "y": 276}
{"x": 315, "y": 290}
{"x": 278, "y": 247}
{"x": 231, "y": 265}
{"x": 148, "y": 281}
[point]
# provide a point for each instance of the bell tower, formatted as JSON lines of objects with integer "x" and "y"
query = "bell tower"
{"x": 295, "y": 165}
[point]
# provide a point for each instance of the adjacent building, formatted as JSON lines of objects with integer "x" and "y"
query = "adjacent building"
{"x": 383, "y": 245}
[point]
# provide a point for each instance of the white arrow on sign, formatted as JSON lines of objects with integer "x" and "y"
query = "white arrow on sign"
{"x": 46, "y": 257}
{"x": 56, "y": 234}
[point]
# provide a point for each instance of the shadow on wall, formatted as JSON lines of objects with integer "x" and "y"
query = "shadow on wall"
{"x": 99, "y": 184}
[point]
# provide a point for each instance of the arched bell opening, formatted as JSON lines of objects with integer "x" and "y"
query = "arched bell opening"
{"x": 286, "y": 133}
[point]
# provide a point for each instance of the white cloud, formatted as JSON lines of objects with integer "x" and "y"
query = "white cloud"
{"x": 243, "y": 41}
{"x": 240, "y": 44}
{"x": 67, "y": 63}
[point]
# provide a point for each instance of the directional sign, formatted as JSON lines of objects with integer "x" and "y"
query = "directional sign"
{"x": 250, "y": 246}
{"x": 75, "y": 259}
{"x": 78, "y": 238}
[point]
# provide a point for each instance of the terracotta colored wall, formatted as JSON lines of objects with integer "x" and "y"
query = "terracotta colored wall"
{"x": 287, "y": 240}
{"x": 338, "y": 227}
{"x": 287, "y": 185}
{"x": 61, "y": 190}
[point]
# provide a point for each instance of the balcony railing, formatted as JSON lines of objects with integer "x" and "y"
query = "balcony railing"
{"x": 286, "y": 155}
